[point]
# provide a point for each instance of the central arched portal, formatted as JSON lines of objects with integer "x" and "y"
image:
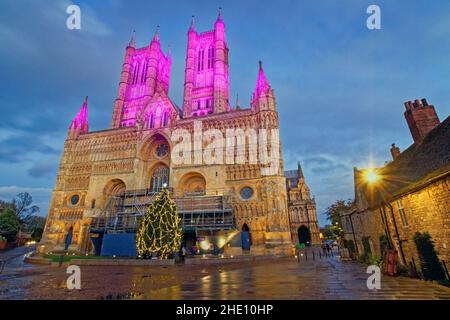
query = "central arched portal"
{"x": 304, "y": 235}
{"x": 245, "y": 237}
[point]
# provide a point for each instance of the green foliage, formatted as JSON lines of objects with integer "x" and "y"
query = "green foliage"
{"x": 160, "y": 231}
{"x": 366, "y": 245}
{"x": 431, "y": 266}
{"x": 9, "y": 224}
{"x": 374, "y": 260}
{"x": 338, "y": 208}
{"x": 332, "y": 232}
{"x": 2, "y": 238}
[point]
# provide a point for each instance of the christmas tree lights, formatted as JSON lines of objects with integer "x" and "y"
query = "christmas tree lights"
{"x": 160, "y": 231}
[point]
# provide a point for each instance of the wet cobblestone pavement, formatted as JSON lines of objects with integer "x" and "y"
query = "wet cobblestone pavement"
{"x": 269, "y": 279}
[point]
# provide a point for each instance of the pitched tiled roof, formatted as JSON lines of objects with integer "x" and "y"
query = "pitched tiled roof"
{"x": 419, "y": 164}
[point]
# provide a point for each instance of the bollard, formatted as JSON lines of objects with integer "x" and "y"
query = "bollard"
{"x": 314, "y": 256}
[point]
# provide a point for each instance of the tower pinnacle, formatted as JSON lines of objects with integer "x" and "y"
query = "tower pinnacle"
{"x": 192, "y": 27}
{"x": 262, "y": 84}
{"x": 156, "y": 36}
{"x": 132, "y": 42}
{"x": 80, "y": 123}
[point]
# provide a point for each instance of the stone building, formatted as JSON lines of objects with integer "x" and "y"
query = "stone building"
{"x": 409, "y": 194}
{"x": 107, "y": 178}
{"x": 302, "y": 209}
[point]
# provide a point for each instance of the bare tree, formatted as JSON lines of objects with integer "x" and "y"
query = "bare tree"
{"x": 23, "y": 208}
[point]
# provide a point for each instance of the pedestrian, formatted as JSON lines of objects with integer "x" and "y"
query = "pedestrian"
{"x": 328, "y": 248}
{"x": 183, "y": 253}
{"x": 324, "y": 249}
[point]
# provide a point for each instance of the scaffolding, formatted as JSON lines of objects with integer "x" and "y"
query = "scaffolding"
{"x": 124, "y": 212}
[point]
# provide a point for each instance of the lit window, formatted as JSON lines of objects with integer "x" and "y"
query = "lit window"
{"x": 401, "y": 211}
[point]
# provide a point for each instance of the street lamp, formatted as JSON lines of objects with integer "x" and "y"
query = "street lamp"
{"x": 371, "y": 176}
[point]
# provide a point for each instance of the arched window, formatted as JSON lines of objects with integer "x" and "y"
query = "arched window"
{"x": 136, "y": 73}
{"x": 151, "y": 121}
{"x": 144, "y": 72}
{"x": 210, "y": 57}
{"x": 201, "y": 59}
{"x": 165, "y": 119}
{"x": 160, "y": 178}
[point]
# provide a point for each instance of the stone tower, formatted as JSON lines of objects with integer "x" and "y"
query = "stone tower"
{"x": 302, "y": 209}
{"x": 145, "y": 72}
{"x": 206, "y": 74}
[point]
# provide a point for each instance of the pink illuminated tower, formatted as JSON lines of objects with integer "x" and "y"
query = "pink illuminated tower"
{"x": 80, "y": 124}
{"x": 145, "y": 72}
{"x": 206, "y": 76}
{"x": 263, "y": 97}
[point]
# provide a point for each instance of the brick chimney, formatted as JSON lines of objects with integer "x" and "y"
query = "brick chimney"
{"x": 421, "y": 118}
{"x": 395, "y": 151}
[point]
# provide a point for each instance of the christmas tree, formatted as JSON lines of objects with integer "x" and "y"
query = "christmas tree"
{"x": 160, "y": 231}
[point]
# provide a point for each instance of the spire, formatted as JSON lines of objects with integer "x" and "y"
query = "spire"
{"x": 299, "y": 170}
{"x": 262, "y": 84}
{"x": 192, "y": 27}
{"x": 80, "y": 123}
{"x": 219, "y": 16}
{"x": 169, "y": 53}
{"x": 237, "y": 101}
{"x": 132, "y": 42}
{"x": 156, "y": 36}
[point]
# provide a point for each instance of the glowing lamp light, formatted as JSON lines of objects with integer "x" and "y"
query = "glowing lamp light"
{"x": 371, "y": 176}
{"x": 204, "y": 245}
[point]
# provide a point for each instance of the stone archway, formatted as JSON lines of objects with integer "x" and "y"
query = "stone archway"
{"x": 304, "y": 235}
{"x": 113, "y": 188}
{"x": 246, "y": 237}
{"x": 193, "y": 184}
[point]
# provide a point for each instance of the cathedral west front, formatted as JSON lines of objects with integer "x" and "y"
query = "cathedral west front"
{"x": 236, "y": 201}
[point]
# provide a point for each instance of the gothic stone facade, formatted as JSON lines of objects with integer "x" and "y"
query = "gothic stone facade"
{"x": 135, "y": 152}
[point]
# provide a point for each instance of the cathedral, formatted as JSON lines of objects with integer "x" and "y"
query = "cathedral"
{"x": 107, "y": 178}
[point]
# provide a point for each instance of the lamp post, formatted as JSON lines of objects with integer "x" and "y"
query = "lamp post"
{"x": 372, "y": 178}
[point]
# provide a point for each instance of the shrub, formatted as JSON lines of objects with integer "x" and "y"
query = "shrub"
{"x": 429, "y": 261}
{"x": 373, "y": 259}
{"x": 9, "y": 225}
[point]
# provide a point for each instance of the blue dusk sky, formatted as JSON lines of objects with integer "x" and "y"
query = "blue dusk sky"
{"x": 340, "y": 87}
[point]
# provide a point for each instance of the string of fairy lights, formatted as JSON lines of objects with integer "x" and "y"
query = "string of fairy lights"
{"x": 160, "y": 231}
